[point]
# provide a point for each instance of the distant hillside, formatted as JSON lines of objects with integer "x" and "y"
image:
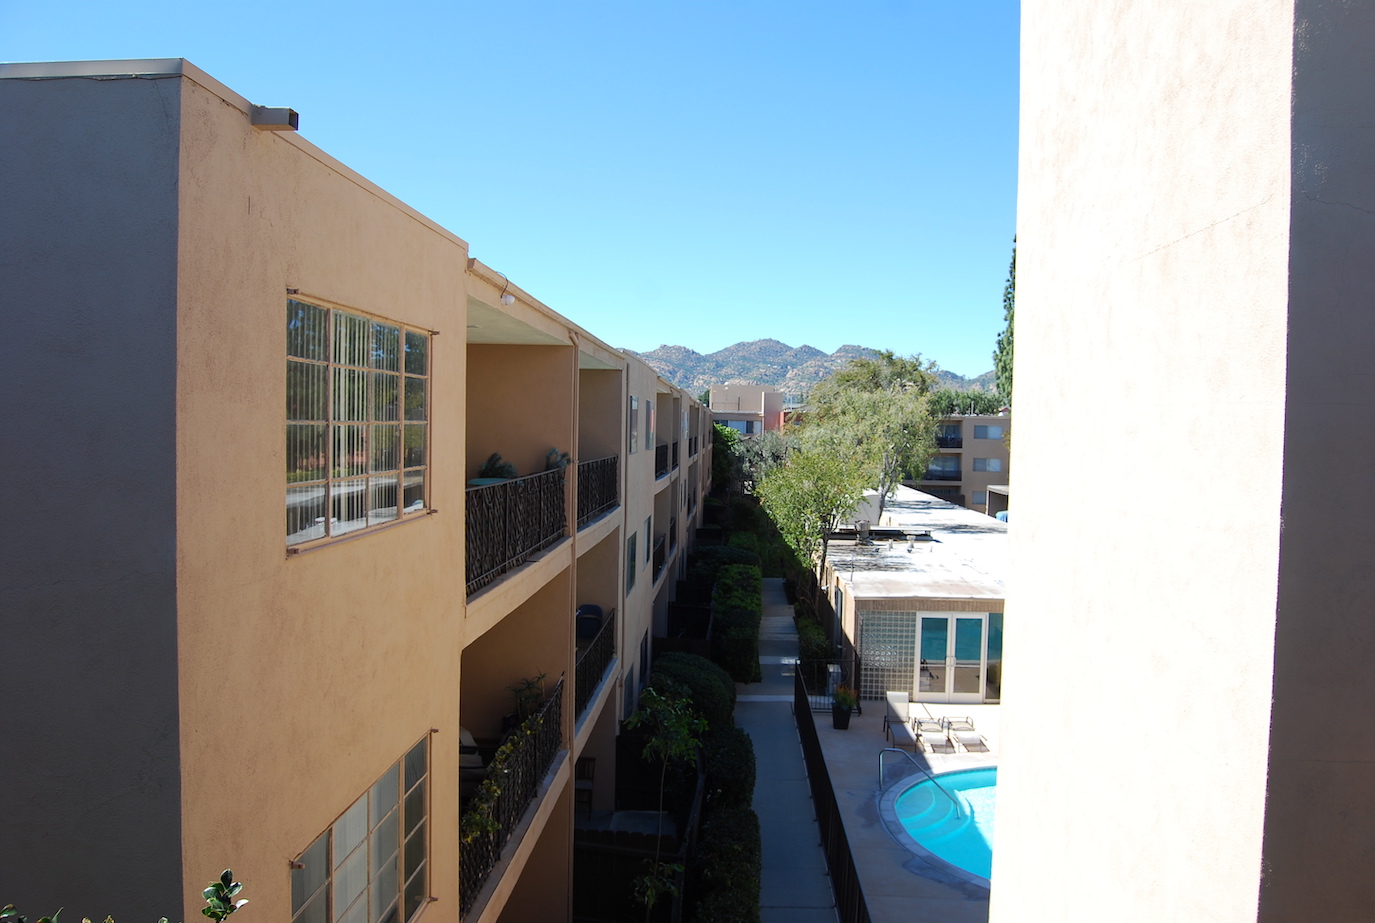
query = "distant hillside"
{"x": 768, "y": 362}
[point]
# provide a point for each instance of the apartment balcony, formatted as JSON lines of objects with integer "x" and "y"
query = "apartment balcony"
{"x": 517, "y": 771}
{"x": 660, "y": 556}
{"x": 672, "y": 535}
{"x": 692, "y": 446}
{"x": 675, "y": 453}
{"x": 941, "y": 474}
{"x": 594, "y": 656}
{"x": 944, "y": 441}
{"x": 660, "y": 460}
{"x": 509, "y": 521}
{"x": 598, "y": 488}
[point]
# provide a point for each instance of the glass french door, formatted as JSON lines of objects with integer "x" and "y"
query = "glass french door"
{"x": 951, "y": 658}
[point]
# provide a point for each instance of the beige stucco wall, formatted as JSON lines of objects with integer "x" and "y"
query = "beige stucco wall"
{"x": 520, "y": 403}
{"x": 302, "y": 678}
{"x": 1152, "y": 251}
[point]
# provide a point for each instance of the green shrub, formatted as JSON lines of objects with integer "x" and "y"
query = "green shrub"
{"x": 710, "y": 688}
{"x": 812, "y": 643}
{"x": 746, "y": 540}
{"x": 728, "y": 753}
{"x": 706, "y": 563}
{"x": 729, "y": 858}
{"x": 737, "y": 607}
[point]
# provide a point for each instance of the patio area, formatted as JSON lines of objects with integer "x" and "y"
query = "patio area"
{"x": 897, "y": 884}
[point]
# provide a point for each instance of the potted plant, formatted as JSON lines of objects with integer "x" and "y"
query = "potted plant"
{"x": 843, "y": 701}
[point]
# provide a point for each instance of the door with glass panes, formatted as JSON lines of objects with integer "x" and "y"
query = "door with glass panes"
{"x": 951, "y": 657}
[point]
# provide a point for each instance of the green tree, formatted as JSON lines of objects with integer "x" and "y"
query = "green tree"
{"x": 807, "y": 495}
{"x": 881, "y": 405}
{"x": 947, "y": 402}
{"x": 760, "y": 454}
{"x": 725, "y": 456}
{"x": 1002, "y": 355}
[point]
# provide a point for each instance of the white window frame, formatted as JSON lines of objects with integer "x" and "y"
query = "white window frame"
{"x": 383, "y": 877}
{"x": 337, "y": 442}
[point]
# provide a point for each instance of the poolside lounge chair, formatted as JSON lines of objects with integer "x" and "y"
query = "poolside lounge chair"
{"x": 934, "y": 734}
{"x": 963, "y": 729}
{"x": 897, "y": 711}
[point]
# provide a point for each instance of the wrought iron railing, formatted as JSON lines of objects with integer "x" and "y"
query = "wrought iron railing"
{"x": 517, "y": 771}
{"x": 598, "y": 487}
{"x": 661, "y": 460}
{"x": 849, "y": 895}
{"x": 949, "y": 442}
{"x": 509, "y": 521}
{"x": 675, "y": 453}
{"x": 672, "y": 533}
{"x": 941, "y": 474}
{"x": 592, "y": 663}
{"x": 692, "y": 446}
{"x": 660, "y": 556}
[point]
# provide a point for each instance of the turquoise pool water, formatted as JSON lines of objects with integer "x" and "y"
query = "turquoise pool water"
{"x": 964, "y": 839}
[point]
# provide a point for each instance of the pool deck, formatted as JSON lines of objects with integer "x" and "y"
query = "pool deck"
{"x": 899, "y": 886}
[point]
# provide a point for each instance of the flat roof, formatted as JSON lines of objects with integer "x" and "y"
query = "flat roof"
{"x": 964, "y": 559}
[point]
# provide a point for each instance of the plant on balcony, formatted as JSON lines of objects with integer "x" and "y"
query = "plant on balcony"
{"x": 554, "y": 460}
{"x": 529, "y": 695}
{"x": 843, "y": 702}
{"x": 496, "y": 467}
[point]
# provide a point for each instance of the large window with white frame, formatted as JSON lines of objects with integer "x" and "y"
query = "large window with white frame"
{"x": 370, "y": 865}
{"x": 357, "y": 421}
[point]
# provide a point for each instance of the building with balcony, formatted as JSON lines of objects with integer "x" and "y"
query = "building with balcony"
{"x": 224, "y": 317}
{"x": 971, "y": 455}
{"x": 748, "y": 409}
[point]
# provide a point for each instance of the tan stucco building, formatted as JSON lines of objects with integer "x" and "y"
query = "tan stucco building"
{"x": 971, "y": 455}
{"x": 748, "y": 409}
{"x": 1186, "y": 728}
{"x": 207, "y": 316}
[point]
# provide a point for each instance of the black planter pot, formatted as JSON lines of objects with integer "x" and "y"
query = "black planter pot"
{"x": 840, "y": 717}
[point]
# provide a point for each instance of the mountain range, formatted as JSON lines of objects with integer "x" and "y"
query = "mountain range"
{"x": 792, "y": 370}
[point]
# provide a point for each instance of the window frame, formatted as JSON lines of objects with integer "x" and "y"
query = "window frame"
{"x": 346, "y": 390}
{"x": 989, "y": 465}
{"x": 412, "y": 838}
{"x": 987, "y": 431}
{"x": 630, "y": 562}
{"x": 634, "y": 415}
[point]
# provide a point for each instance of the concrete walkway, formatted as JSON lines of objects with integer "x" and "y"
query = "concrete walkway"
{"x": 795, "y": 886}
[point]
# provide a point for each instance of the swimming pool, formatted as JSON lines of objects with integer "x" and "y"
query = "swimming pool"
{"x": 925, "y": 816}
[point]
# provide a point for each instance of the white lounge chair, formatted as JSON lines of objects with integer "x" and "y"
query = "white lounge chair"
{"x": 935, "y": 734}
{"x": 963, "y": 730}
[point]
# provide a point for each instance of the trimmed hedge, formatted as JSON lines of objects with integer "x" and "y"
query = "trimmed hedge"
{"x": 738, "y": 606}
{"x": 706, "y": 563}
{"x": 728, "y": 753}
{"x": 730, "y": 861}
{"x": 711, "y": 689}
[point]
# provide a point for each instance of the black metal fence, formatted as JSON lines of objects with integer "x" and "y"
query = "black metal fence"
{"x": 822, "y": 676}
{"x": 660, "y": 460}
{"x": 509, "y": 521}
{"x": 675, "y": 453}
{"x": 592, "y": 663}
{"x": 598, "y": 487}
{"x": 518, "y": 774}
{"x": 849, "y": 895}
{"x": 660, "y": 555}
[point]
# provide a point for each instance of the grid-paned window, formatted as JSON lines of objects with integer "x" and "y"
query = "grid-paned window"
{"x": 357, "y": 421}
{"x": 370, "y": 865}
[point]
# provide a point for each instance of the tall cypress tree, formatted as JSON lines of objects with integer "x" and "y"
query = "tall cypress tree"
{"x": 1002, "y": 355}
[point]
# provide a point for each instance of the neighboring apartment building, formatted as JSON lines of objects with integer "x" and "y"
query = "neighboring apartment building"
{"x": 747, "y": 409}
{"x": 971, "y": 455}
{"x": 1186, "y": 719}
{"x": 219, "y": 317}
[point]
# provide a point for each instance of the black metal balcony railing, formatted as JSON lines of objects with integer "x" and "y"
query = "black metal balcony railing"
{"x": 692, "y": 446}
{"x": 598, "y": 486}
{"x": 660, "y": 556}
{"x": 592, "y": 663}
{"x": 516, "y": 771}
{"x": 941, "y": 474}
{"x": 675, "y": 454}
{"x": 949, "y": 442}
{"x": 509, "y": 521}
{"x": 672, "y": 534}
{"x": 661, "y": 460}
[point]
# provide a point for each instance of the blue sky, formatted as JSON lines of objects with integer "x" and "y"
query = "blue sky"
{"x": 660, "y": 172}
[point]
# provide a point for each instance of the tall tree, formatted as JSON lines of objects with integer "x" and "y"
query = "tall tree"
{"x": 1002, "y": 355}
{"x": 882, "y": 407}
{"x": 820, "y": 482}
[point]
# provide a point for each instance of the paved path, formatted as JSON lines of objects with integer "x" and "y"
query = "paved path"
{"x": 795, "y": 886}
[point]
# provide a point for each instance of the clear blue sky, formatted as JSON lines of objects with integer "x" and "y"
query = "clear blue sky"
{"x": 821, "y": 173}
